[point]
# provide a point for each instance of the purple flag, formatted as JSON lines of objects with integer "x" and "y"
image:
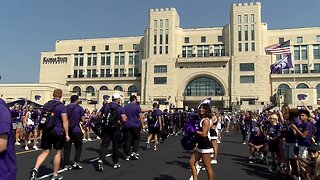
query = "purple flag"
{"x": 284, "y": 63}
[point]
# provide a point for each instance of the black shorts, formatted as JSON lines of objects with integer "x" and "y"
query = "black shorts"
{"x": 50, "y": 141}
{"x": 154, "y": 130}
{"x": 274, "y": 146}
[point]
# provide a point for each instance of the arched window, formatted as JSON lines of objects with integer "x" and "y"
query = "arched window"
{"x": 204, "y": 86}
{"x": 282, "y": 88}
{"x": 77, "y": 90}
{"x": 90, "y": 89}
{"x": 118, "y": 88}
{"x": 132, "y": 88}
{"x": 302, "y": 86}
{"x": 318, "y": 91}
{"x": 103, "y": 88}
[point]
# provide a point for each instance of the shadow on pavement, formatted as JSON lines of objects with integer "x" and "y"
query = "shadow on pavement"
{"x": 164, "y": 177}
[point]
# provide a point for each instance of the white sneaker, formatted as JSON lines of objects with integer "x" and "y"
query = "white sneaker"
{"x": 218, "y": 142}
{"x": 89, "y": 139}
{"x": 261, "y": 156}
{"x": 26, "y": 148}
{"x": 29, "y": 142}
{"x": 84, "y": 139}
{"x": 214, "y": 161}
{"x": 211, "y": 155}
{"x": 17, "y": 144}
{"x": 35, "y": 148}
{"x": 98, "y": 137}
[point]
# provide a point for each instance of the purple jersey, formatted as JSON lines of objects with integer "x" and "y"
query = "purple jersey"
{"x": 8, "y": 167}
{"x": 133, "y": 111}
{"x": 76, "y": 114}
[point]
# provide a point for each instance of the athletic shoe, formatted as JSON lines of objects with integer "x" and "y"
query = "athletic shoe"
{"x": 77, "y": 165}
{"x": 155, "y": 148}
{"x": 148, "y": 146}
{"x": 116, "y": 166}
{"x": 100, "y": 165}
{"x": 214, "y": 161}
{"x": 98, "y": 137}
{"x": 244, "y": 142}
{"x": 17, "y": 143}
{"x": 35, "y": 148}
{"x": 56, "y": 177}
{"x": 67, "y": 167}
{"x": 261, "y": 157}
{"x": 296, "y": 178}
{"x": 84, "y": 139}
{"x": 265, "y": 159}
{"x": 134, "y": 156}
{"x": 211, "y": 155}
{"x": 33, "y": 174}
{"x": 26, "y": 148}
{"x": 89, "y": 139}
{"x": 218, "y": 142}
{"x": 109, "y": 154}
{"x": 127, "y": 158}
{"x": 29, "y": 142}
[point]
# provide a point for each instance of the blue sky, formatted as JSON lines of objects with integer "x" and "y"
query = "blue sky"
{"x": 29, "y": 27}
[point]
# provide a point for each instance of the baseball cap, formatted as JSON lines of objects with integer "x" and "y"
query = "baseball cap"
{"x": 116, "y": 96}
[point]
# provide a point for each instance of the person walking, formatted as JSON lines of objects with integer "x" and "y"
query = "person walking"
{"x": 53, "y": 137}
{"x": 132, "y": 128}
{"x": 113, "y": 116}
{"x": 75, "y": 115}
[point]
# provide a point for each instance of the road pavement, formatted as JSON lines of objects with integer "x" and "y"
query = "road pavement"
{"x": 170, "y": 162}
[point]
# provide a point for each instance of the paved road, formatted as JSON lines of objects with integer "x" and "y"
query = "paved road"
{"x": 170, "y": 162}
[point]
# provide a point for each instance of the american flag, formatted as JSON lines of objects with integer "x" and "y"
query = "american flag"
{"x": 283, "y": 48}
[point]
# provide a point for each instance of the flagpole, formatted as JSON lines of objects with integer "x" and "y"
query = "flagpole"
{"x": 294, "y": 87}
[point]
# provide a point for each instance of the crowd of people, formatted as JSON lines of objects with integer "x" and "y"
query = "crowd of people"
{"x": 290, "y": 135}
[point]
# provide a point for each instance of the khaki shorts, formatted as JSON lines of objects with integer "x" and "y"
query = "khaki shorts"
{"x": 17, "y": 125}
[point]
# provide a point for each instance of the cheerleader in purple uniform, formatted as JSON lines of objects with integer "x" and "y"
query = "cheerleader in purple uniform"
{"x": 204, "y": 146}
{"x": 86, "y": 126}
{"x": 30, "y": 127}
{"x": 214, "y": 138}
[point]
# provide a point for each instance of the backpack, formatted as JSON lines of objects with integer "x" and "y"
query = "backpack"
{"x": 48, "y": 120}
{"x": 110, "y": 117}
{"x": 72, "y": 122}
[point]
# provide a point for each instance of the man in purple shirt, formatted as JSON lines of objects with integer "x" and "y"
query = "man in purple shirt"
{"x": 132, "y": 128}
{"x": 111, "y": 132}
{"x": 8, "y": 167}
{"x": 54, "y": 138}
{"x": 75, "y": 114}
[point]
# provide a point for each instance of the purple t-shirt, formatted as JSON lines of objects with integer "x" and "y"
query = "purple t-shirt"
{"x": 77, "y": 113}
{"x": 132, "y": 111}
{"x": 58, "y": 110}
{"x": 257, "y": 139}
{"x": 16, "y": 115}
{"x": 8, "y": 167}
{"x": 158, "y": 114}
{"x": 305, "y": 126}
